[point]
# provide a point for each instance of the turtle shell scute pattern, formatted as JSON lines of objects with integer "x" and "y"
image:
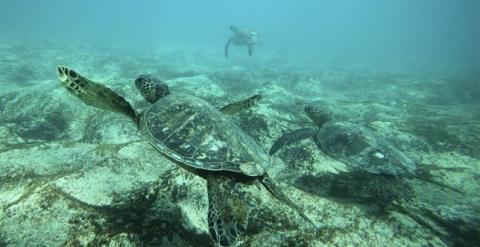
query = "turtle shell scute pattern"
{"x": 361, "y": 148}
{"x": 193, "y": 132}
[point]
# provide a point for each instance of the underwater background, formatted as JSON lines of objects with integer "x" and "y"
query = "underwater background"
{"x": 406, "y": 71}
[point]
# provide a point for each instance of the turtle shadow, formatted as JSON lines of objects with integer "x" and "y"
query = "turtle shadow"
{"x": 51, "y": 127}
{"x": 371, "y": 192}
{"x": 44, "y": 123}
{"x": 145, "y": 216}
{"x": 378, "y": 195}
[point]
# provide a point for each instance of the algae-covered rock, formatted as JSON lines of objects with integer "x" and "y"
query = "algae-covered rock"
{"x": 71, "y": 175}
{"x": 236, "y": 79}
{"x": 116, "y": 191}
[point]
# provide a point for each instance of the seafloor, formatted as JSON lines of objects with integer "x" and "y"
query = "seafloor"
{"x": 71, "y": 175}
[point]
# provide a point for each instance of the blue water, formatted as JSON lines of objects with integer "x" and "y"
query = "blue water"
{"x": 439, "y": 37}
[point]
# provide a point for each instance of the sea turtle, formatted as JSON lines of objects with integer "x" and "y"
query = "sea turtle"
{"x": 198, "y": 137}
{"x": 243, "y": 37}
{"x": 354, "y": 145}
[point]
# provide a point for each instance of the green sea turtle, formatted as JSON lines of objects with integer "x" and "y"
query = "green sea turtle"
{"x": 243, "y": 37}
{"x": 354, "y": 145}
{"x": 198, "y": 137}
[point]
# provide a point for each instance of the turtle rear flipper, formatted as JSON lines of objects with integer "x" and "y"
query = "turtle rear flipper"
{"x": 94, "y": 94}
{"x": 227, "y": 211}
{"x": 430, "y": 180}
{"x": 241, "y": 105}
{"x": 277, "y": 192}
{"x": 292, "y": 137}
{"x": 423, "y": 173}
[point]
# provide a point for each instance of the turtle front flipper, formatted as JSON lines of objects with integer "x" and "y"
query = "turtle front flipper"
{"x": 227, "y": 211}
{"x": 94, "y": 94}
{"x": 251, "y": 48}
{"x": 227, "y": 45}
{"x": 241, "y": 105}
{"x": 292, "y": 137}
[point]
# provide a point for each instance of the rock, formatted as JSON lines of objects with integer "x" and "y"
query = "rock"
{"x": 462, "y": 223}
{"x": 190, "y": 85}
{"x": 119, "y": 191}
{"x": 235, "y": 80}
{"x": 71, "y": 175}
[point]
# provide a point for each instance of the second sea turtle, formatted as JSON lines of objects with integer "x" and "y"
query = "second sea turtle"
{"x": 243, "y": 37}
{"x": 355, "y": 145}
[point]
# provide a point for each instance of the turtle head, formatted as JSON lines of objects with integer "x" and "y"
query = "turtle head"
{"x": 151, "y": 88}
{"x": 235, "y": 29}
{"x": 318, "y": 114}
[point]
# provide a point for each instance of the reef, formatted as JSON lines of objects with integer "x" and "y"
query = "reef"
{"x": 71, "y": 175}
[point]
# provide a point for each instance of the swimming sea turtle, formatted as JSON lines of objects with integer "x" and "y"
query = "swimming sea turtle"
{"x": 243, "y": 37}
{"x": 195, "y": 135}
{"x": 356, "y": 146}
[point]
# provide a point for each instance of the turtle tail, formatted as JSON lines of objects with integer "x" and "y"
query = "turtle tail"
{"x": 274, "y": 189}
{"x": 227, "y": 45}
